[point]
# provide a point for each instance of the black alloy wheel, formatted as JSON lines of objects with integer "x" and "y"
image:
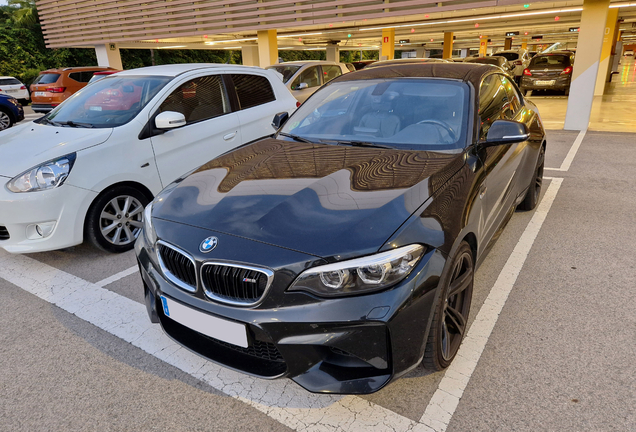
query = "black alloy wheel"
{"x": 534, "y": 190}
{"x": 450, "y": 321}
{"x": 115, "y": 219}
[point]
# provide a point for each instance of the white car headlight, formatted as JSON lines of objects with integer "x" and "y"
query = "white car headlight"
{"x": 149, "y": 230}
{"x": 48, "y": 175}
{"x": 360, "y": 275}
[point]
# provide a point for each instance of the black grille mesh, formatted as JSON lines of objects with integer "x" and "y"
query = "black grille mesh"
{"x": 4, "y": 233}
{"x": 179, "y": 265}
{"x": 234, "y": 283}
{"x": 258, "y": 349}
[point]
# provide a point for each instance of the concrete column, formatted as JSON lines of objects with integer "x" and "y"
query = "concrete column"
{"x": 108, "y": 55}
{"x": 606, "y": 52}
{"x": 524, "y": 43}
{"x": 586, "y": 63}
{"x": 448, "y": 45}
{"x": 387, "y": 51}
{"x": 483, "y": 46}
{"x": 333, "y": 53}
{"x": 250, "y": 55}
{"x": 464, "y": 52}
{"x": 267, "y": 48}
{"x": 508, "y": 43}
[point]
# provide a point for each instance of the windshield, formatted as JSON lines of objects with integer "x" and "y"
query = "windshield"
{"x": 286, "y": 71}
{"x": 46, "y": 78}
{"x": 414, "y": 113}
{"x": 9, "y": 81}
{"x": 508, "y": 56}
{"x": 550, "y": 60}
{"x": 109, "y": 102}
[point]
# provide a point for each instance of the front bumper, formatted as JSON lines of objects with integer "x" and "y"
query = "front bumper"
{"x": 352, "y": 345}
{"x": 66, "y": 206}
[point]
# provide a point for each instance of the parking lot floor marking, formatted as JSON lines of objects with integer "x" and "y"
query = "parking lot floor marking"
{"x": 116, "y": 277}
{"x": 567, "y": 162}
{"x": 445, "y": 400}
{"x": 283, "y": 400}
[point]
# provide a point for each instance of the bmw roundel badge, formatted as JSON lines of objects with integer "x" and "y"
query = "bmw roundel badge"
{"x": 208, "y": 244}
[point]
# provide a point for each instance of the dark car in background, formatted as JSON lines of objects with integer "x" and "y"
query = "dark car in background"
{"x": 409, "y": 60}
{"x": 11, "y": 111}
{"x": 362, "y": 64}
{"x": 551, "y": 71}
{"x": 498, "y": 61}
{"x": 341, "y": 251}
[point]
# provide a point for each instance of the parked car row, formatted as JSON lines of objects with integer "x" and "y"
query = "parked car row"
{"x": 13, "y": 87}
{"x": 323, "y": 249}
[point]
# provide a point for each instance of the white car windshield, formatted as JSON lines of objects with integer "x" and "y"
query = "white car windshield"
{"x": 109, "y": 102}
{"x": 418, "y": 113}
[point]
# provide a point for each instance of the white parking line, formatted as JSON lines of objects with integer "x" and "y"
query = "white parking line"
{"x": 283, "y": 400}
{"x": 116, "y": 277}
{"x": 565, "y": 165}
{"x": 446, "y": 398}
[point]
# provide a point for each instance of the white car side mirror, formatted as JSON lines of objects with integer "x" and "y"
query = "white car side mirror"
{"x": 169, "y": 120}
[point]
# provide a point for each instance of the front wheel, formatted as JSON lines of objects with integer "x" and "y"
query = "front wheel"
{"x": 115, "y": 219}
{"x": 450, "y": 320}
{"x": 5, "y": 120}
{"x": 534, "y": 190}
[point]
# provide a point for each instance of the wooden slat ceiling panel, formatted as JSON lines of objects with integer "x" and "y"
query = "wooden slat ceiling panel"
{"x": 89, "y": 22}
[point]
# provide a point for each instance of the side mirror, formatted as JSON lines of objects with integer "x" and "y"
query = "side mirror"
{"x": 302, "y": 86}
{"x": 506, "y": 132}
{"x": 280, "y": 119}
{"x": 169, "y": 120}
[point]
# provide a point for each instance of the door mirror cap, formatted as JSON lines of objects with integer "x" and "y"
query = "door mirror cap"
{"x": 302, "y": 86}
{"x": 506, "y": 132}
{"x": 169, "y": 120}
{"x": 280, "y": 119}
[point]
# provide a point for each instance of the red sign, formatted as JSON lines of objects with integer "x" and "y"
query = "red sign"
{"x": 386, "y": 39}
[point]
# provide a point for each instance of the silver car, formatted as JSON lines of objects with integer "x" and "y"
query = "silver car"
{"x": 519, "y": 59}
{"x": 303, "y": 78}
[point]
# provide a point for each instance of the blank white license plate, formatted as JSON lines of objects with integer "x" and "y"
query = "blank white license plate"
{"x": 11, "y": 91}
{"x": 217, "y": 328}
{"x": 545, "y": 83}
{"x": 39, "y": 94}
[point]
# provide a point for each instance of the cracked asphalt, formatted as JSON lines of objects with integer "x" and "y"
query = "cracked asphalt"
{"x": 79, "y": 357}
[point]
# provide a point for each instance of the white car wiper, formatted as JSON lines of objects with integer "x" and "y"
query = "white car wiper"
{"x": 359, "y": 144}
{"x": 296, "y": 137}
{"x": 75, "y": 124}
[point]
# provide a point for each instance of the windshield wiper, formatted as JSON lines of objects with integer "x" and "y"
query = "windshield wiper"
{"x": 360, "y": 144}
{"x": 296, "y": 137}
{"x": 47, "y": 121}
{"x": 75, "y": 124}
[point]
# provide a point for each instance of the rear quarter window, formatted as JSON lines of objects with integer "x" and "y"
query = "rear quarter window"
{"x": 252, "y": 90}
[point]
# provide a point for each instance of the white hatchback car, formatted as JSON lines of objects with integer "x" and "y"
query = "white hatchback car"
{"x": 88, "y": 168}
{"x": 303, "y": 78}
{"x": 14, "y": 87}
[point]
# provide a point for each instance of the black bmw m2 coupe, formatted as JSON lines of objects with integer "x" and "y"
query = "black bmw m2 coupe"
{"x": 340, "y": 252}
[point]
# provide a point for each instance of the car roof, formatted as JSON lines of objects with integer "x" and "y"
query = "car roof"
{"x": 562, "y": 52}
{"x": 303, "y": 62}
{"x": 2, "y": 77}
{"x": 178, "y": 69}
{"x": 78, "y": 68}
{"x": 468, "y": 72}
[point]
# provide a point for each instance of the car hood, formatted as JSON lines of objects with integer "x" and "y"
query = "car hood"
{"x": 325, "y": 200}
{"x": 25, "y": 146}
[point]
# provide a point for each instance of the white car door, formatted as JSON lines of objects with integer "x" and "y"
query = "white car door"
{"x": 211, "y": 127}
{"x": 257, "y": 103}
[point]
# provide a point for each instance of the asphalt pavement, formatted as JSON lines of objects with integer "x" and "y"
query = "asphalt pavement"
{"x": 78, "y": 354}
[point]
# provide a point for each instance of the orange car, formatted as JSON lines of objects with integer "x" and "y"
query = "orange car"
{"x": 54, "y": 86}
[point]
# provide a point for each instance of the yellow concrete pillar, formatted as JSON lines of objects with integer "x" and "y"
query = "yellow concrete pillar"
{"x": 606, "y": 52}
{"x": 249, "y": 53}
{"x": 524, "y": 43}
{"x": 586, "y": 64}
{"x": 267, "y": 48}
{"x": 483, "y": 46}
{"x": 448, "y": 45}
{"x": 388, "y": 44}
{"x": 508, "y": 43}
{"x": 108, "y": 55}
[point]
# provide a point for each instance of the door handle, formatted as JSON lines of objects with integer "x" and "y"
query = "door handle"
{"x": 229, "y": 136}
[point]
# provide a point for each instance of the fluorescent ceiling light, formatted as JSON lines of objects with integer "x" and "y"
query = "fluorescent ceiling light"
{"x": 230, "y": 40}
{"x": 480, "y": 18}
{"x": 620, "y": 5}
{"x": 300, "y": 35}
{"x": 168, "y": 47}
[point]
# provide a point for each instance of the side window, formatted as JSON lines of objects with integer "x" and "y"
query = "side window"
{"x": 309, "y": 76}
{"x": 86, "y": 76}
{"x": 330, "y": 72}
{"x": 252, "y": 90}
{"x": 77, "y": 76}
{"x": 199, "y": 99}
{"x": 493, "y": 100}
{"x": 513, "y": 97}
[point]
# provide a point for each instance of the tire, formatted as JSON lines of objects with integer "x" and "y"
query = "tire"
{"x": 534, "y": 190}
{"x": 6, "y": 121}
{"x": 115, "y": 219}
{"x": 525, "y": 91}
{"x": 450, "y": 318}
